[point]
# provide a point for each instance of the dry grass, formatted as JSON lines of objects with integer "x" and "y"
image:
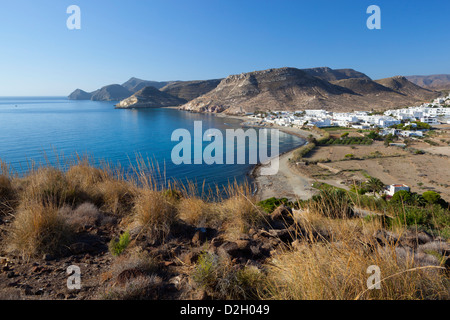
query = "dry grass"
{"x": 239, "y": 210}
{"x": 337, "y": 269}
{"x": 7, "y": 195}
{"x": 221, "y": 279}
{"x": 139, "y": 288}
{"x": 117, "y": 196}
{"x": 48, "y": 184}
{"x": 155, "y": 213}
{"x": 85, "y": 177}
{"x": 199, "y": 213}
{"x": 39, "y": 228}
{"x": 332, "y": 203}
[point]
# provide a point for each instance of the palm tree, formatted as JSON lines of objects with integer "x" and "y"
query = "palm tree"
{"x": 375, "y": 185}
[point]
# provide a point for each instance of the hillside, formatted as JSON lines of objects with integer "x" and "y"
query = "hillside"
{"x": 190, "y": 90}
{"x": 79, "y": 94}
{"x": 433, "y": 82}
{"x": 112, "y": 92}
{"x": 295, "y": 89}
{"x": 402, "y": 85}
{"x": 150, "y": 97}
{"x": 135, "y": 84}
{"x": 274, "y": 89}
{"x": 329, "y": 74}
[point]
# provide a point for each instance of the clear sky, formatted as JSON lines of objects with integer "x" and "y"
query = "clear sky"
{"x": 205, "y": 39}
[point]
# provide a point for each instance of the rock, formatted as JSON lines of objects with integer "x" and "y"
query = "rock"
{"x": 81, "y": 247}
{"x": 190, "y": 257}
{"x": 282, "y": 216}
{"x": 129, "y": 274}
{"x": 216, "y": 242}
{"x": 243, "y": 245}
{"x": 384, "y": 237}
{"x": 238, "y": 249}
{"x": 424, "y": 237}
{"x": 135, "y": 232}
{"x": 60, "y": 296}
{"x": 48, "y": 257}
{"x": 297, "y": 245}
{"x": 199, "y": 236}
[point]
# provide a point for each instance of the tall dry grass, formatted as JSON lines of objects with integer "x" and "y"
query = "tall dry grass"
{"x": 154, "y": 213}
{"x": 337, "y": 269}
{"x": 239, "y": 210}
{"x": 39, "y": 228}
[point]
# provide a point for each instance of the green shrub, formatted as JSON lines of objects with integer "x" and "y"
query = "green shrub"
{"x": 402, "y": 196}
{"x": 116, "y": 247}
{"x": 269, "y": 205}
{"x": 431, "y": 197}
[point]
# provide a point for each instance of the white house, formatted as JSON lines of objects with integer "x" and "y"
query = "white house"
{"x": 393, "y": 188}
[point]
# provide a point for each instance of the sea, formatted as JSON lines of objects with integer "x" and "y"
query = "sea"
{"x": 40, "y": 131}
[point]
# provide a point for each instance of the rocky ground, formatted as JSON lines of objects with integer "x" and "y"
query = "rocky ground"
{"x": 102, "y": 273}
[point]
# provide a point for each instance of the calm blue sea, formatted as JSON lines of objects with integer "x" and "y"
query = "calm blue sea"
{"x": 40, "y": 128}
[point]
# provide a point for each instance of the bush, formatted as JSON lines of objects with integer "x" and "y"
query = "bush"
{"x": 402, "y": 196}
{"x": 269, "y": 205}
{"x": 222, "y": 280}
{"x": 116, "y": 247}
{"x": 7, "y": 195}
{"x": 241, "y": 214}
{"x": 39, "y": 228}
{"x": 49, "y": 185}
{"x": 199, "y": 213}
{"x": 431, "y": 197}
{"x": 116, "y": 196}
{"x": 155, "y": 213}
{"x": 332, "y": 203}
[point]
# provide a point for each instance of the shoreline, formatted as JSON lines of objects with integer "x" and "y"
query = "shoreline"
{"x": 286, "y": 183}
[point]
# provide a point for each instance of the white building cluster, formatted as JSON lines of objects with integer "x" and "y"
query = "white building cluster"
{"x": 433, "y": 113}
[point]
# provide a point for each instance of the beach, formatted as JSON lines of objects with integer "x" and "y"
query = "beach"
{"x": 287, "y": 182}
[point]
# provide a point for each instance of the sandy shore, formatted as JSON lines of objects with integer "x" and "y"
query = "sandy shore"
{"x": 285, "y": 184}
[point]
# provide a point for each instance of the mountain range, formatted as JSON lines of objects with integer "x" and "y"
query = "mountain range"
{"x": 272, "y": 89}
{"x": 433, "y": 82}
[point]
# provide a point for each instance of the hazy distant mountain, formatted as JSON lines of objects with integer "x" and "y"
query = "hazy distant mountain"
{"x": 403, "y": 85}
{"x": 190, "y": 90}
{"x": 433, "y": 82}
{"x": 329, "y": 74}
{"x": 135, "y": 84}
{"x": 150, "y": 97}
{"x": 295, "y": 89}
{"x": 80, "y": 95}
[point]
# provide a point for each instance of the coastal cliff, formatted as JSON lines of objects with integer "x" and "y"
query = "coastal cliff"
{"x": 150, "y": 97}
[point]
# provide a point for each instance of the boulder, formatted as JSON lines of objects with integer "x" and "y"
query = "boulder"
{"x": 238, "y": 249}
{"x": 81, "y": 247}
{"x": 281, "y": 217}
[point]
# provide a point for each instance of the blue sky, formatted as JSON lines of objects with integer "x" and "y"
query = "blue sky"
{"x": 199, "y": 39}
